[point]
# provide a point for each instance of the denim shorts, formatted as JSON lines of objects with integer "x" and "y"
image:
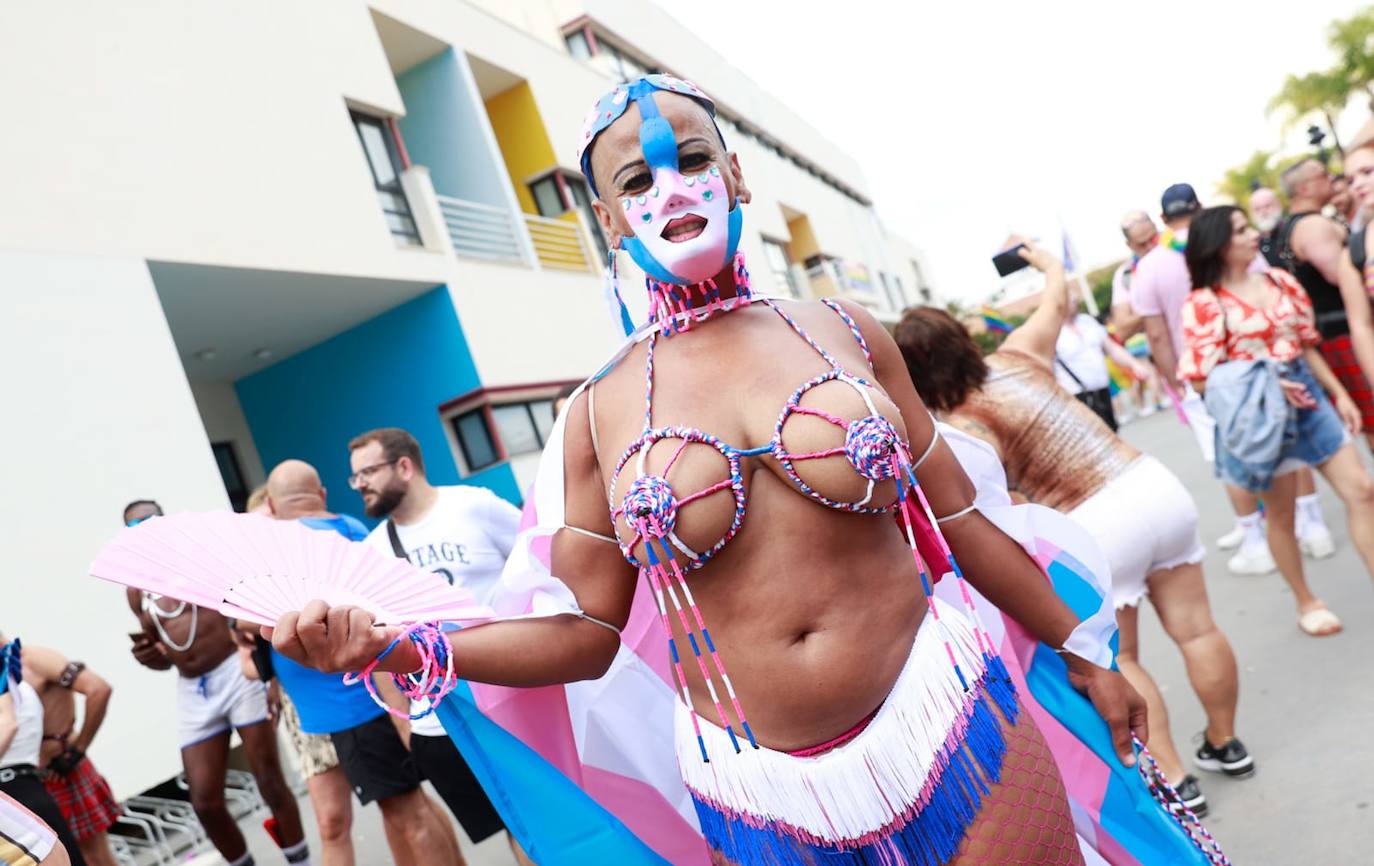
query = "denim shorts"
{"x": 1314, "y": 437}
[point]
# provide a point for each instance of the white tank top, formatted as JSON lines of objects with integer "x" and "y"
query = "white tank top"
{"x": 28, "y": 710}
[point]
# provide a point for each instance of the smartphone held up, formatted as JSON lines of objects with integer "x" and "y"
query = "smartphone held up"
{"x": 1010, "y": 261}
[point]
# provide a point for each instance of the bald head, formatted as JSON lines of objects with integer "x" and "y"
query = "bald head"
{"x": 294, "y": 490}
{"x": 1140, "y": 232}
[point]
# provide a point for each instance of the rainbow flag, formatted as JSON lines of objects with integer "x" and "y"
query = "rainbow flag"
{"x": 1118, "y": 380}
{"x": 995, "y": 321}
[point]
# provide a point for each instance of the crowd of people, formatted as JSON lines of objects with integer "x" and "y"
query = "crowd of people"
{"x": 882, "y": 724}
{"x": 230, "y": 680}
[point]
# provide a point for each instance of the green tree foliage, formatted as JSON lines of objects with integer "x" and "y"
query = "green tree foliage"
{"x": 1261, "y": 168}
{"x": 1100, "y": 279}
{"x": 1237, "y": 183}
{"x": 1352, "y": 40}
{"x": 1323, "y": 92}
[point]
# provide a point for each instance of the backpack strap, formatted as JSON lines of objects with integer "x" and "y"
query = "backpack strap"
{"x": 1283, "y": 241}
{"x": 395, "y": 538}
{"x": 1357, "y": 249}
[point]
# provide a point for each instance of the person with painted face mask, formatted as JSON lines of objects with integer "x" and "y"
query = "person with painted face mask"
{"x": 746, "y": 459}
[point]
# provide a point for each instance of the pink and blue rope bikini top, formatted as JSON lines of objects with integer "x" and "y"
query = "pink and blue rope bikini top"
{"x": 875, "y": 450}
{"x": 650, "y": 506}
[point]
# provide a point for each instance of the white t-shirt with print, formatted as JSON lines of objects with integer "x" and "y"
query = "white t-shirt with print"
{"x": 466, "y": 537}
{"x": 1081, "y": 349}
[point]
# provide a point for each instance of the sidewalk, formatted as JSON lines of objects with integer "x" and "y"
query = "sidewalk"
{"x": 1306, "y": 705}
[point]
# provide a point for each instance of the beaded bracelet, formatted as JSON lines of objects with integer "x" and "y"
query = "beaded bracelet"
{"x": 432, "y": 681}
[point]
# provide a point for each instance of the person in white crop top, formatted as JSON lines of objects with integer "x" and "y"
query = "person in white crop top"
{"x": 19, "y": 774}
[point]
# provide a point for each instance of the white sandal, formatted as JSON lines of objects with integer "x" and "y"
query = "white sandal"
{"x": 1319, "y": 622}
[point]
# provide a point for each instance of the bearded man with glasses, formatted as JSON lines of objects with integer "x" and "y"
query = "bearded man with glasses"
{"x": 463, "y": 533}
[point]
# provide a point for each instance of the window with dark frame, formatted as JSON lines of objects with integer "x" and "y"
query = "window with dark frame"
{"x": 558, "y": 192}
{"x": 475, "y": 439}
{"x": 578, "y": 46}
{"x": 231, "y": 473}
{"x": 384, "y": 160}
{"x": 491, "y": 433}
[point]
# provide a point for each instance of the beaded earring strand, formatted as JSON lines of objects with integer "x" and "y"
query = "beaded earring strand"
{"x": 432, "y": 681}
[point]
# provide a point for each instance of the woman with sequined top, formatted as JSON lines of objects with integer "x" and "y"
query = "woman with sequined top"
{"x": 1059, "y": 453}
{"x": 858, "y": 717}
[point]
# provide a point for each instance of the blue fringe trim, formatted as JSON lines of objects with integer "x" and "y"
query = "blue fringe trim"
{"x": 931, "y": 837}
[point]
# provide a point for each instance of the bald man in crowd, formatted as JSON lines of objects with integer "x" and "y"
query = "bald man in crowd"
{"x": 1141, "y": 236}
{"x": 347, "y": 741}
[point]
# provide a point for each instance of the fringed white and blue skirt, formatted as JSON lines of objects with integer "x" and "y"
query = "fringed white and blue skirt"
{"x": 904, "y": 789}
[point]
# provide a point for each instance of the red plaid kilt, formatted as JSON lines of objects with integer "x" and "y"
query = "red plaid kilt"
{"x": 85, "y": 799}
{"x": 1340, "y": 357}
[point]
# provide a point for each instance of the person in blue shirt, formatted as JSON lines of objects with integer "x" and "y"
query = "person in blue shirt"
{"x": 346, "y": 742}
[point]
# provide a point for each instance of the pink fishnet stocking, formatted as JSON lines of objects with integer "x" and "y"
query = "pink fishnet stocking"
{"x": 1025, "y": 821}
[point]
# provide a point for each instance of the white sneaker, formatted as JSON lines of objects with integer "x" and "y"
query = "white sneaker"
{"x": 1147, "y": 411}
{"x": 1232, "y": 539}
{"x": 1254, "y": 560}
{"x": 1316, "y": 541}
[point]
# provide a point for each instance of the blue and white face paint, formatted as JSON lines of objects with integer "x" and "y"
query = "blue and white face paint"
{"x": 686, "y": 228}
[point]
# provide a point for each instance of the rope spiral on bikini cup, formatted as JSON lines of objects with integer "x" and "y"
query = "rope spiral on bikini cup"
{"x": 650, "y": 508}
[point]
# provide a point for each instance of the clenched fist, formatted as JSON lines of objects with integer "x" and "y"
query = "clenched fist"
{"x": 334, "y": 639}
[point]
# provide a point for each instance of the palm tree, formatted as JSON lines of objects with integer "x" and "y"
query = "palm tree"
{"x": 1353, "y": 42}
{"x": 1238, "y": 182}
{"x": 1325, "y": 93}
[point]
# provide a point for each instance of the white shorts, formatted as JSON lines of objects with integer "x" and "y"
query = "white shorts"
{"x": 1202, "y": 425}
{"x": 224, "y": 698}
{"x": 1145, "y": 521}
{"x": 24, "y": 839}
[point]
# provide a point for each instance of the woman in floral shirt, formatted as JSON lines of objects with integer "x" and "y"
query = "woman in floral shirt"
{"x": 1236, "y": 315}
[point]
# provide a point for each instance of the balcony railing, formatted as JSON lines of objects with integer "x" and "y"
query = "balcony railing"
{"x": 481, "y": 231}
{"x": 561, "y": 244}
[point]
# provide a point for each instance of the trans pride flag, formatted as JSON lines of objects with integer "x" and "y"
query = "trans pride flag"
{"x": 586, "y": 772}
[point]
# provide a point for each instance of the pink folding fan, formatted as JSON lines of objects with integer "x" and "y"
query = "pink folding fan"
{"x": 257, "y": 569}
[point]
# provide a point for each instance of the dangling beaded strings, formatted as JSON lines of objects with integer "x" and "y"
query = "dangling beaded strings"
{"x": 671, "y": 305}
{"x": 614, "y": 301}
{"x": 990, "y": 654}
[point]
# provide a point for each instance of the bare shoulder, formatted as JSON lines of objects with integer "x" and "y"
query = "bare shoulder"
{"x": 1320, "y": 226}
{"x": 975, "y": 428}
{"x": 46, "y": 664}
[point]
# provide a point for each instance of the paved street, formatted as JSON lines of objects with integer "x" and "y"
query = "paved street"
{"x": 1306, "y": 704}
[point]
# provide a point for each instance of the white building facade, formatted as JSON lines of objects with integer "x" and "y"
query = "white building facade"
{"x": 236, "y": 233}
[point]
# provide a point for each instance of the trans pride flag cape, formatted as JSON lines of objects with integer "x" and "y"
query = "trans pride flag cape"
{"x": 586, "y": 772}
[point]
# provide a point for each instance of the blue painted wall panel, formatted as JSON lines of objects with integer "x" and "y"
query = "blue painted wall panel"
{"x": 444, "y": 129}
{"x": 391, "y": 371}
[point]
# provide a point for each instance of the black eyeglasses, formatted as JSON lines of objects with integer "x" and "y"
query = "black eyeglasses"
{"x": 357, "y": 478}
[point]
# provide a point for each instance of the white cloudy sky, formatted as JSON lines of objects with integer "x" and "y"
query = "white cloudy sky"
{"x": 973, "y": 120}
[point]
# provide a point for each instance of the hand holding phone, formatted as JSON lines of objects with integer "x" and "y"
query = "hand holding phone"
{"x": 1010, "y": 261}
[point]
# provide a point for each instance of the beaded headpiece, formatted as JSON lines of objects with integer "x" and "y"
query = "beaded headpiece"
{"x": 685, "y": 226}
